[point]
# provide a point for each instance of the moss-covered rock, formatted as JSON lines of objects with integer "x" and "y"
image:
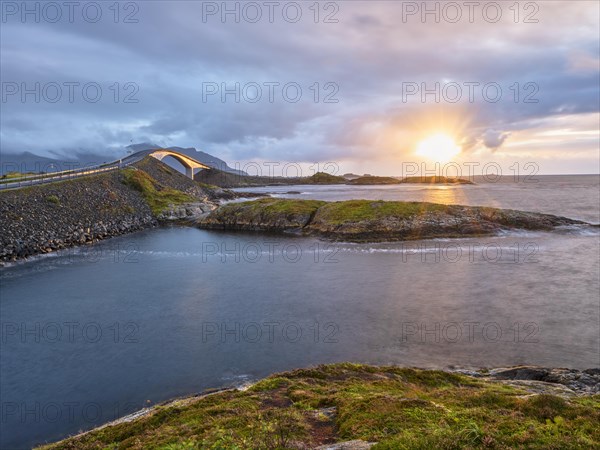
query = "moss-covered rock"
{"x": 267, "y": 214}
{"x": 371, "y": 221}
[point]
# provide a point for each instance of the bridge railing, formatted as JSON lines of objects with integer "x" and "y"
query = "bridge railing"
{"x": 31, "y": 180}
{"x": 15, "y": 183}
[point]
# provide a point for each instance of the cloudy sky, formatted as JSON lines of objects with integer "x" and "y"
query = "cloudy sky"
{"x": 509, "y": 83}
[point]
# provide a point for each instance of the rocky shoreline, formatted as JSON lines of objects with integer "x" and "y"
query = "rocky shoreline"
{"x": 558, "y": 381}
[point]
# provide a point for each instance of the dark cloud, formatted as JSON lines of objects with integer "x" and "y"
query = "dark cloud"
{"x": 370, "y": 54}
{"x": 494, "y": 139}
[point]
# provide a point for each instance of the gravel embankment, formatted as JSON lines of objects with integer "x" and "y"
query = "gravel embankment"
{"x": 41, "y": 219}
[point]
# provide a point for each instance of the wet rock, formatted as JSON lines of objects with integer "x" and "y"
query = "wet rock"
{"x": 189, "y": 212}
{"x": 521, "y": 373}
{"x": 578, "y": 381}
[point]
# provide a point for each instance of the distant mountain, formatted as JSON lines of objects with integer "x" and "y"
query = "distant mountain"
{"x": 203, "y": 157}
{"x": 25, "y": 162}
{"x": 30, "y": 162}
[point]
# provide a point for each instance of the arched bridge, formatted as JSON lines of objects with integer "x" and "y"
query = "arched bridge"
{"x": 188, "y": 162}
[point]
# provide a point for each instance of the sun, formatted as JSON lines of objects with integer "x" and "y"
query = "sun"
{"x": 439, "y": 147}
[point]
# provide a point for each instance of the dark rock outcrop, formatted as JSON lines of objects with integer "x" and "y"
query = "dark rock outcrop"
{"x": 372, "y": 221}
{"x": 187, "y": 212}
{"x": 579, "y": 381}
{"x": 263, "y": 215}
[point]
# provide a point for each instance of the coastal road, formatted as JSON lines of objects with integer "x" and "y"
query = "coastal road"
{"x": 54, "y": 177}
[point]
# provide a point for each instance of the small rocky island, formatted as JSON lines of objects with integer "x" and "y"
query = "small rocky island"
{"x": 435, "y": 180}
{"x": 375, "y": 221}
{"x": 367, "y": 180}
{"x": 373, "y": 180}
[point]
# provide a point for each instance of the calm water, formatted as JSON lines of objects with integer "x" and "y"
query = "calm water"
{"x": 92, "y": 334}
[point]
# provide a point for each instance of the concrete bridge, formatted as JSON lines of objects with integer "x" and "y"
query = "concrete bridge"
{"x": 189, "y": 163}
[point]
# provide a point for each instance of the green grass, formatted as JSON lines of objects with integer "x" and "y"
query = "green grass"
{"x": 375, "y": 180}
{"x": 358, "y": 210}
{"x": 207, "y": 186}
{"x": 335, "y": 213}
{"x": 398, "y": 408}
{"x": 53, "y": 199}
{"x": 11, "y": 175}
{"x": 285, "y": 206}
{"x": 157, "y": 196}
{"x": 325, "y": 178}
{"x": 271, "y": 208}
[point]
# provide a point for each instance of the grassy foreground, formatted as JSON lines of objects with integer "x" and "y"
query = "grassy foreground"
{"x": 396, "y": 408}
